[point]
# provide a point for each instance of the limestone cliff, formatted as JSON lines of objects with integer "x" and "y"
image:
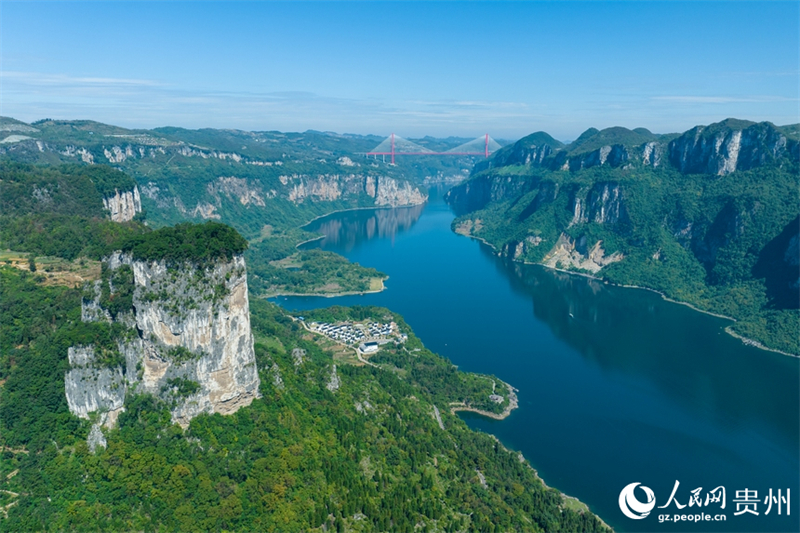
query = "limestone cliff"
{"x": 189, "y": 342}
{"x": 533, "y": 150}
{"x": 728, "y": 146}
{"x": 124, "y": 205}
{"x": 226, "y": 192}
{"x": 602, "y": 204}
{"x": 385, "y": 191}
{"x": 480, "y": 191}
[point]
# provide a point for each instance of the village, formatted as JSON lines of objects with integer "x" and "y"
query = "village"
{"x": 365, "y": 337}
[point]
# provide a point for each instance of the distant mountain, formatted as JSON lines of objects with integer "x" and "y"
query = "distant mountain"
{"x": 709, "y": 216}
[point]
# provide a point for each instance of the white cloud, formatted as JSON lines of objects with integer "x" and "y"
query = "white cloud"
{"x": 722, "y": 99}
{"x": 64, "y": 80}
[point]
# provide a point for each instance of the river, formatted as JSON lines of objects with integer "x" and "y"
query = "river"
{"x": 616, "y": 385}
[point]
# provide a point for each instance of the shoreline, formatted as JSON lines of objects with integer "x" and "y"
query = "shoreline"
{"x": 584, "y": 506}
{"x": 513, "y": 403}
{"x": 356, "y": 209}
{"x": 325, "y": 295}
{"x": 745, "y": 340}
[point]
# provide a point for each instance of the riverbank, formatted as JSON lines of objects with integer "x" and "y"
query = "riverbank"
{"x": 745, "y": 340}
{"x": 374, "y": 207}
{"x": 570, "y": 502}
{"x": 513, "y": 403}
{"x": 379, "y": 281}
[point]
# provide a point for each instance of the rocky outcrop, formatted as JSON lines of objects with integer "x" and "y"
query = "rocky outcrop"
{"x": 123, "y": 206}
{"x": 394, "y": 193}
{"x": 602, "y": 204}
{"x": 117, "y": 154}
{"x": 517, "y": 250}
{"x": 478, "y": 192}
{"x": 569, "y": 254}
{"x": 189, "y": 344}
{"x": 385, "y": 192}
{"x": 91, "y": 388}
{"x": 532, "y": 150}
{"x": 611, "y": 155}
{"x": 239, "y": 189}
{"x": 728, "y": 146}
{"x": 333, "y": 382}
{"x": 652, "y": 154}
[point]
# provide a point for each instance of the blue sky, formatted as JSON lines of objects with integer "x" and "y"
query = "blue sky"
{"x": 415, "y": 69}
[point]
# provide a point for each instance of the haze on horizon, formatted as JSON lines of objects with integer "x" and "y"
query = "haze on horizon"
{"x": 415, "y": 69}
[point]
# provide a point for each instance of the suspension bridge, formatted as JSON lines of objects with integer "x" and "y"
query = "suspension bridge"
{"x": 394, "y": 145}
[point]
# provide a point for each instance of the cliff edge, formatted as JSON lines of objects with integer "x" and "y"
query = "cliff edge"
{"x": 181, "y": 332}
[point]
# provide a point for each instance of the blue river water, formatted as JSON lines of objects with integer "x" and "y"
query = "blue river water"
{"x": 616, "y": 385}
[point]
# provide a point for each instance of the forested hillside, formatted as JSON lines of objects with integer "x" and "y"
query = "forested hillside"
{"x": 328, "y": 443}
{"x": 708, "y": 217}
{"x": 264, "y": 184}
{"x": 247, "y": 179}
{"x": 58, "y": 210}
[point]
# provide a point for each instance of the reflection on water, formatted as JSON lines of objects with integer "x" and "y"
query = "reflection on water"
{"x": 634, "y": 332}
{"x": 347, "y": 229}
{"x": 615, "y": 385}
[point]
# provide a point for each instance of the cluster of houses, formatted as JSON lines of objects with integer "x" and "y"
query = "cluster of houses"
{"x": 368, "y": 336}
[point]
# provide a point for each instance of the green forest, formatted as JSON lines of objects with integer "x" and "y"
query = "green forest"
{"x": 310, "y": 272}
{"x": 720, "y": 243}
{"x": 301, "y": 458}
{"x": 370, "y": 456}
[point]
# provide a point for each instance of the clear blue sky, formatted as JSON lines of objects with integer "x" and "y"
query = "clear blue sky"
{"x": 412, "y": 68}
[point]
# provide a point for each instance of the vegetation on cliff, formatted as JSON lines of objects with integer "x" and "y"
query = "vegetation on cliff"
{"x": 368, "y": 457}
{"x": 264, "y": 184}
{"x": 58, "y": 210}
{"x": 201, "y": 244}
{"x": 720, "y": 242}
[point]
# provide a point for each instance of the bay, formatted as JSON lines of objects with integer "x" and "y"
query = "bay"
{"x": 616, "y": 385}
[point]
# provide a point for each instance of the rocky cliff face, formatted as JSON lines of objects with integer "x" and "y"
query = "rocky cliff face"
{"x": 297, "y": 188}
{"x": 385, "y": 191}
{"x": 611, "y": 155}
{"x": 189, "y": 343}
{"x": 123, "y": 206}
{"x": 476, "y": 193}
{"x": 729, "y": 146}
{"x": 602, "y": 204}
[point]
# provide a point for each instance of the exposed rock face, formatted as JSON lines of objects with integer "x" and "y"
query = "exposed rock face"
{"x": 575, "y": 254}
{"x": 532, "y": 150}
{"x": 334, "y": 382}
{"x": 298, "y": 357}
{"x": 192, "y": 328}
{"x": 476, "y": 193}
{"x": 206, "y": 211}
{"x": 90, "y": 388}
{"x": 613, "y": 156}
{"x": 393, "y": 193}
{"x": 603, "y": 204}
{"x": 652, "y": 154}
{"x": 123, "y": 206}
{"x": 518, "y": 250}
{"x": 728, "y": 146}
{"x": 117, "y": 155}
{"x": 386, "y": 192}
{"x": 239, "y": 189}
{"x": 96, "y": 439}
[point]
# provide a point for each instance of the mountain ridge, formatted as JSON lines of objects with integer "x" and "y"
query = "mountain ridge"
{"x": 691, "y": 215}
